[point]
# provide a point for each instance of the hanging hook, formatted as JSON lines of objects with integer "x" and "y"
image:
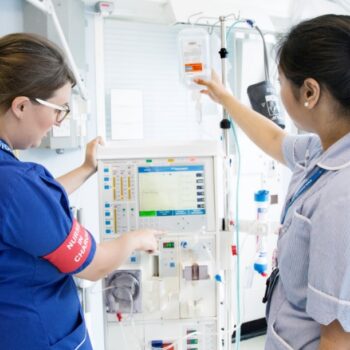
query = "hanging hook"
{"x": 231, "y": 15}
{"x": 191, "y": 16}
{"x": 210, "y": 26}
{"x": 207, "y": 19}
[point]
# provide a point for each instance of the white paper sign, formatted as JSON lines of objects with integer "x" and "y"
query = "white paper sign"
{"x": 126, "y": 114}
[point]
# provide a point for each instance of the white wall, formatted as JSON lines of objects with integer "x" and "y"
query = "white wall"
{"x": 301, "y": 9}
{"x": 144, "y": 57}
{"x": 11, "y": 16}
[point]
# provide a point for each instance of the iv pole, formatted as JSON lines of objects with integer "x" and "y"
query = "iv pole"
{"x": 225, "y": 122}
{"x": 227, "y": 223}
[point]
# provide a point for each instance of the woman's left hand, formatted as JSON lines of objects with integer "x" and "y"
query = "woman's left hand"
{"x": 78, "y": 176}
{"x": 90, "y": 163}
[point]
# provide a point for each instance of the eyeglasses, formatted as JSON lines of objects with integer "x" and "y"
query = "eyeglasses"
{"x": 61, "y": 111}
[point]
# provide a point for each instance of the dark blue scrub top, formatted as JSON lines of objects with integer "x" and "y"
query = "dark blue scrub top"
{"x": 39, "y": 305}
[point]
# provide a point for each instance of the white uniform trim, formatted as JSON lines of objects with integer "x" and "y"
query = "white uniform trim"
{"x": 302, "y": 217}
{"x": 294, "y": 158}
{"x": 82, "y": 342}
{"x": 287, "y": 346}
{"x": 334, "y": 299}
{"x": 333, "y": 167}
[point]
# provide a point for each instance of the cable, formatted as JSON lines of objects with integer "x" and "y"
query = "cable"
{"x": 131, "y": 313}
{"x": 237, "y": 226}
{"x": 233, "y": 25}
{"x": 217, "y": 276}
{"x": 181, "y": 339}
{"x": 186, "y": 337}
{"x": 123, "y": 334}
{"x": 131, "y": 319}
{"x": 122, "y": 280}
{"x": 266, "y": 60}
{"x": 191, "y": 335}
{"x": 252, "y": 24}
{"x": 237, "y": 229}
{"x": 92, "y": 291}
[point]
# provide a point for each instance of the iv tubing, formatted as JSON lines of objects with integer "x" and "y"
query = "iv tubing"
{"x": 238, "y": 245}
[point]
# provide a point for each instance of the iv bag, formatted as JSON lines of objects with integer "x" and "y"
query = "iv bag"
{"x": 194, "y": 56}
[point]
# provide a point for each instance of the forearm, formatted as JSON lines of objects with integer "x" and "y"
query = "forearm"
{"x": 108, "y": 257}
{"x": 75, "y": 178}
{"x": 325, "y": 344}
{"x": 262, "y": 131}
{"x": 333, "y": 337}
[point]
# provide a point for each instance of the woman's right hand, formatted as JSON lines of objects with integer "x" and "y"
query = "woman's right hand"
{"x": 111, "y": 254}
{"x": 145, "y": 239}
{"x": 214, "y": 88}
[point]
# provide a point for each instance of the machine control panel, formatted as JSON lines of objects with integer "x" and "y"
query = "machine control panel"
{"x": 164, "y": 194}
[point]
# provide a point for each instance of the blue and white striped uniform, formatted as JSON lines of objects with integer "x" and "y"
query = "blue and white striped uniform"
{"x": 313, "y": 247}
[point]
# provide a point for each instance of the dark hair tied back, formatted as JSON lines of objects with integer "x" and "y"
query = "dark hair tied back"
{"x": 31, "y": 66}
{"x": 319, "y": 48}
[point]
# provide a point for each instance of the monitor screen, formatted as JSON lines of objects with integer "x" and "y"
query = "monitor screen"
{"x": 171, "y": 190}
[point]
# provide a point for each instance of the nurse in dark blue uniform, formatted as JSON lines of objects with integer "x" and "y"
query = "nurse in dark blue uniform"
{"x": 41, "y": 244}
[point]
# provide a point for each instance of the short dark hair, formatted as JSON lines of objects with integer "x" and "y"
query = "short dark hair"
{"x": 32, "y": 66}
{"x": 319, "y": 48}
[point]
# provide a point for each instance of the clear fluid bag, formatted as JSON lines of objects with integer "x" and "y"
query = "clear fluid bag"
{"x": 194, "y": 56}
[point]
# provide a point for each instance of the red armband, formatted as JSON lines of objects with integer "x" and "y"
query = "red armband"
{"x": 73, "y": 252}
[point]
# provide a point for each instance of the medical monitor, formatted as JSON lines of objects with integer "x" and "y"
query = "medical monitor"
{"x": 171, "y": 191}
{"x": 174, "y": 193}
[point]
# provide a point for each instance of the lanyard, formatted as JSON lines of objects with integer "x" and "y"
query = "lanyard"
{"x": 4, "y": 146}
{"x": 313, "y": 177}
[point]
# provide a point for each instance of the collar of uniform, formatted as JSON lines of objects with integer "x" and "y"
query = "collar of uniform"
{"x": 337, "y": 156}
{"x": 6, "y": 148}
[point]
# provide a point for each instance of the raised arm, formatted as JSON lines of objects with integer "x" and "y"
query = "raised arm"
{"x": 262, "y": 131}
{"x": 75, "y": 178}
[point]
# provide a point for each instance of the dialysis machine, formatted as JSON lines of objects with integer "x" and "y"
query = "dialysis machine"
{"x": 175, "y": 298}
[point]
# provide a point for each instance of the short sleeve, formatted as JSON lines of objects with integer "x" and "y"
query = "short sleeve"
{"x": 328, "y": 295}
{"x": 38, "y": 221}
{"x": 300, "y": 148}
